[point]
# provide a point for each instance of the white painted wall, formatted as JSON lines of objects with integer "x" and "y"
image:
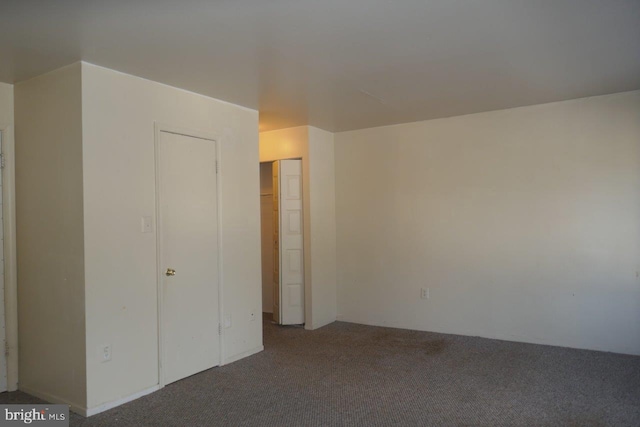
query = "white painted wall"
{"x": 50, "y": 240}
{"x": 315, "y": 148}
{"x": 266, "y": 231}
{"x": 323, "y": 225}
{"x": 10, "y": 299}
{"x": 524, "y": 224}
{"x": 6, "y": 105}
{"x": 118, "y": 118}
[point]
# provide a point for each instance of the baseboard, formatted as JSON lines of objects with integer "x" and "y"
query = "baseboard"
{"x": 87, "y": 412}
{"x": 52, "y": 398}
{"x": 319, "y": 324}
{"x": 525, "y": 339}
{"x": 242, "y": 355}
{"x": 110, "y": 405}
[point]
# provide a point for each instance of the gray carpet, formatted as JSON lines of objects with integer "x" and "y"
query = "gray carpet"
{"x": 355, "y": 375}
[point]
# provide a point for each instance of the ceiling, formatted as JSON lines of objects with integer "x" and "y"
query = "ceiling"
{"x": 340, "y": 64}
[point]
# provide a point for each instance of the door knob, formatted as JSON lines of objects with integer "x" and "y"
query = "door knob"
{"x": 170, "y": 272}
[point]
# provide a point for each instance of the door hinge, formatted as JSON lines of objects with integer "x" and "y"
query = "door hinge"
{"x": 219, "y": 328}
{"x": 2, "y": 162}
{"x": 216, "y": 165}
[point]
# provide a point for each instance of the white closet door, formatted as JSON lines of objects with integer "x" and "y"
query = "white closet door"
{"x": 291, "y": 242}
{"x": 188, "y": 231}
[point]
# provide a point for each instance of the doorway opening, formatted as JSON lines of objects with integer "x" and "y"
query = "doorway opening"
{"x": 281, "y": 218}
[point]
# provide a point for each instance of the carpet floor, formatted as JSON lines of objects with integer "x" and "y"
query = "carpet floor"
{"x": 354, "y": 375}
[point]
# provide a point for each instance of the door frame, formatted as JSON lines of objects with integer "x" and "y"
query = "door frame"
{"x": 209, "y": 136}
{"x": 10, "y": 266}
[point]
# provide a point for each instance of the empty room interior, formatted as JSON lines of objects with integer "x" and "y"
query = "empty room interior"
{"x": 357, "y": 213}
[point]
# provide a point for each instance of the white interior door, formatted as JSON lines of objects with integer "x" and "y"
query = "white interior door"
{"x": 291, "y": 242}
{"x": 188, "y": 238}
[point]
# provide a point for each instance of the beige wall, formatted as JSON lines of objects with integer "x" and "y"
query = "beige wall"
{"x": 119, "y": 112}
{"x": 85, "y": 177}
{"x": 50, "y": 244}
{"x": 523, "y": 223}
{"x": 6, "y": 105}
{"x": 315, "y": 148}
{"x": 323, "y": 225}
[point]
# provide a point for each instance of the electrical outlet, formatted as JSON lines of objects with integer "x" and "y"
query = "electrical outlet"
{"x": 424, "y": 293}
{"x": 227, "y": 320}
{"x": 146, "y": 224}
{"x": 105, "y": 353}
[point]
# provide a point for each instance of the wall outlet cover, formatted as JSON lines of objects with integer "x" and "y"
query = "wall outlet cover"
{"x": 146, "y": 224}
{"x": 104, "y": 353}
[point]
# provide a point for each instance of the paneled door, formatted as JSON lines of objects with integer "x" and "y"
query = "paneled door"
{"x": 291, "y": 252}
{"x": 188, "y": 255}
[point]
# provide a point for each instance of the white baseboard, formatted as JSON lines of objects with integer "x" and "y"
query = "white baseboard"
{"x": 87, "y": 412}
{"x": 110, "y": 405}
{"x": 52, "y": 398}
{"x": 318, "y": 325}
{"x": 242, "y": 355}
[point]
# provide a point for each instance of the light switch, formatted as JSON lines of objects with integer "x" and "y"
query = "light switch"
{"x": 227, "y": 320}
{"x": 147, "y": 224}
